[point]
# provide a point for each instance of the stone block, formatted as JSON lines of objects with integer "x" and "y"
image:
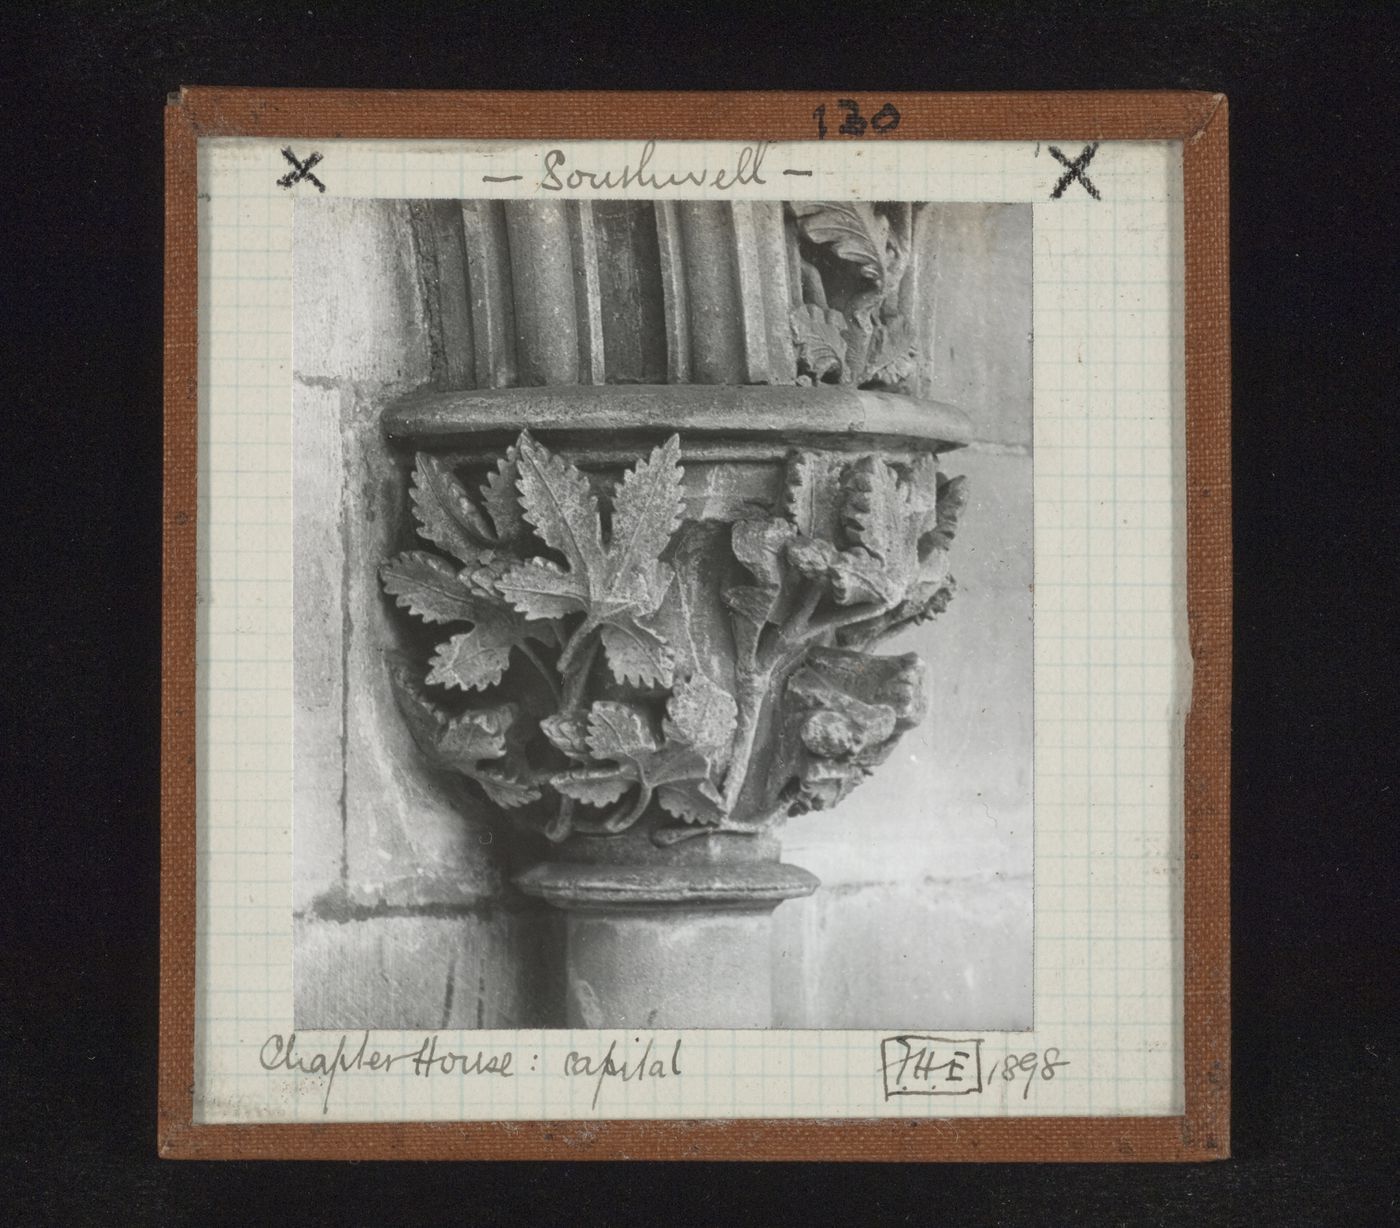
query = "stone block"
{"x": 935, "y": 954}
{"x": 420, "y": 971}
{"x": 360, "y": 313}
{"x": 973, "y": 291}
{"x": 364, "y": 335}
{"x": 318, "y": 641}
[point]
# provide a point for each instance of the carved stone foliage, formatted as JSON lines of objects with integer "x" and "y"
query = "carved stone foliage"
{"x": 850, "y": 329}
{"x": 598, "y": 661}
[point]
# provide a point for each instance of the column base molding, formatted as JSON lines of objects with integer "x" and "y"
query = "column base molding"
{"x": 669, "y": 946}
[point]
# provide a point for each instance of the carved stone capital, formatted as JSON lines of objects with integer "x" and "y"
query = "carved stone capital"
{"x": 641, "y": 620}
{"x": 664, "y": 647}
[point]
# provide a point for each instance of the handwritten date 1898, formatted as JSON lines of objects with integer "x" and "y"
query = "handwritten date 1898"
{"x": 1015, "y": 1065}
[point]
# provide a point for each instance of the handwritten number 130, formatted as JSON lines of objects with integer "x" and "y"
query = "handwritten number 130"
{"x": 886, "y": 119}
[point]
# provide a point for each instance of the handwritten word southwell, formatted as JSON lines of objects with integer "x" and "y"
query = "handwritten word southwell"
{"x": 746, "y": 169}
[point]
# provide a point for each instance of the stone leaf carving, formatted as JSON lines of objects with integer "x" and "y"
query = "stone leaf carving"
{"x": 614, "y": 584}
{"x": 856, "y": 233}
{"x": 819, "y": 335}
{"x": 736, "y": 688}
{"x": 890, "y": 355}
{"x": 477, "y": 744}
{"x": 846, "y": 712}
{"x": 463, "y": 589}
{"x": 679, "y": 768}
{"x": 849, "y": 329}
{"x": 843, "y": 566}
{"x": 930, "y": 585}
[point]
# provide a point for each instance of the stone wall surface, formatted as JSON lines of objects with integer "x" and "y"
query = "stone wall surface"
{"x": 924, "y": 917}
{"x": 396, "y": 881}
{"x": 403, "y": 914}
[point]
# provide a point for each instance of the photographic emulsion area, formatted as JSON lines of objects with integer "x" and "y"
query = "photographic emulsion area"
{"x": 662, "y": 614}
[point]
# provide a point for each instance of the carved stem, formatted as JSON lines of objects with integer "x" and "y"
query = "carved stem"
{"x": 755, "y": 688}
{"x": 559, "y": 827}
{"x": 793, "y": 633}
{"x": 577, "y": 677}
{"x": 839, "y": 618}
{"x": 544, "y": 671}
{"x": 576, "y": 642}
{"x": 752, "y": 690}
{"x": 624, "y": 816}
{"x": 803, "y": 614}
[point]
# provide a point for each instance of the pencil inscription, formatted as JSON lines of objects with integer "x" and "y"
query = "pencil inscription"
{"x": 286, "y": 1054}
{"x": 745, "y": 170}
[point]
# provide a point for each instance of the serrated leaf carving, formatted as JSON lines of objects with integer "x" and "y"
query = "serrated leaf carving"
{"x": 736, "y": 692}
{"x": 646, "y": 512}
{"x": 475, "y": 659}
{"x": 694, "y": 800}
{"x": 850, "y": 329}
{"x": 619, "y": 731}
{"x": 466, "y": 740}
{"x": 502, "y": 499}
{"x": 818, "y": 334}
{"x": 878, "y": 509}
{"x": 882, "y": 525}
{"x": 851, "y": 229}
{"x": 510, "y": 792}
{"x": 854, "y": 577}
{"x": 474, "y": 744}
{"x": 593, "y": 786}
{"x": 890, "y": 357}
{"x": 949, "y": 506}
{"x": 702, "y": 714}
{"x": 540, "y": 588}
{"x": 446, "y": 515}
{"x": 673, "y": 770}
{"x": 812, "y": 493}
{"x": 637, "y": 654}
{"x": 614, "y": 584}
{"x": 431, "y": 588}
{"x": 935, "y": 502}
{"x": 568, "y": 732}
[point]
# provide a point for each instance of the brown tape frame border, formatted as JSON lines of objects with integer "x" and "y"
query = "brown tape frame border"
{"x": 1196, "y": 119}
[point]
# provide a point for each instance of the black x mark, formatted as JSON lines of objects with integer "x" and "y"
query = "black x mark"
{"x": 300, "y": 171}
{"x": 1075, "y": 171}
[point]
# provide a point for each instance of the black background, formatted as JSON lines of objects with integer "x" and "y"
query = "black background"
{"x": 1314, "y": 277}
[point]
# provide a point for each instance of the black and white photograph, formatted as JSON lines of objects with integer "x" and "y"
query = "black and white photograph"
{"x": 662, "y": 591}
{"x": 735, "y": 619}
